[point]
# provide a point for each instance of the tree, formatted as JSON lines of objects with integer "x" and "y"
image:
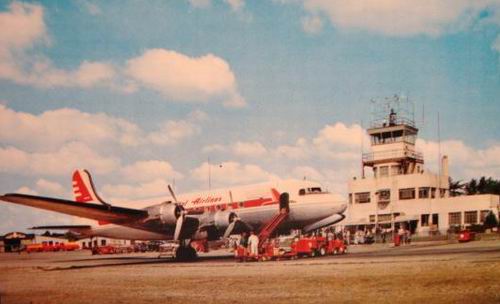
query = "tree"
{"x": 483, "y": 186}
{"x": 490, "y": 221}
{"x": 456, "y": 187}
{"x": 471, "y": 187}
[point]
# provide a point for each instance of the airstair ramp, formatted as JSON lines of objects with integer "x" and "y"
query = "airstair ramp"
{"x": 270, "y": 227}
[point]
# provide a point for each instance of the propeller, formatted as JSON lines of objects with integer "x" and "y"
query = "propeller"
{"x": 230, "y": 227}
{"x": 178, "y": 225}
{"x": 172, "y": 193}
{"x": 233, "y": 222}
{"x": 180, "y": 219}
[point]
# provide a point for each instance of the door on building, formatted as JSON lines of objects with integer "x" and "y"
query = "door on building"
{"x": 435, "y": 219}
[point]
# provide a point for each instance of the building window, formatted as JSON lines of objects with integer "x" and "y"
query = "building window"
{"x": 435, "y": 219}
{"x": 350, "y": 198}
{"x": 302, "y": 192}
{"x": 442, "y": 192}
{"x": 455, "y": 218}
{"x": 470, "y": 217}
{"x": 406, "y": 194}
{"x": 384, "y": 217}
{"x": 362, "y": 197}
{"x": 483, "y": 215}
{"x": 372, "y": 218}
{"x": 394, "y": 170}
{"x": 384, "y": 171}
{"x": 433, "y": 192}
{"x": 384, "y": 195}
{"x": 424, "y": 220}
{"x": 423, "y": 192}
{"x": 103, "y": 242}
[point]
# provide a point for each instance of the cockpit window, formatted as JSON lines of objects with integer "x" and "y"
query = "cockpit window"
{"x": 313, "y": 190}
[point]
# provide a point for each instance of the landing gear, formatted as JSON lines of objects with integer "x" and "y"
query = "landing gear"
{"x": 185, "y": 253}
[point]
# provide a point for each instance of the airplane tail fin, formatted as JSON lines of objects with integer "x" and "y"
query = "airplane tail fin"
{"x": 84, "y": 189}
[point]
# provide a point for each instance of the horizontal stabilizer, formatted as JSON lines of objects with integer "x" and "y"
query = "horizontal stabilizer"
{"x": 99, "y": 212}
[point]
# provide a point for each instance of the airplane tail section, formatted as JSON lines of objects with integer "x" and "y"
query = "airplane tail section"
{"x": 84, "y": 189}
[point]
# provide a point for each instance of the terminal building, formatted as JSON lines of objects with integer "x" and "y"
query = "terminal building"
{"x": 400, "y": 189}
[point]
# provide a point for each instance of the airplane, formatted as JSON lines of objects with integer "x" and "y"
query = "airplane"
{"x": 207, "y": 215}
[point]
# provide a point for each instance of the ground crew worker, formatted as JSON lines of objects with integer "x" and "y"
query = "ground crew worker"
{"x": 242, "y": 246}
{"x": 253, "y": 244}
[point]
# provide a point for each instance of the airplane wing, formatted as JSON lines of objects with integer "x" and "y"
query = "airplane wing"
{"x": 99, "y": 212}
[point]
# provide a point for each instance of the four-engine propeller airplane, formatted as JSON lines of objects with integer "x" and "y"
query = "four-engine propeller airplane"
{"x": 205, "y": 215}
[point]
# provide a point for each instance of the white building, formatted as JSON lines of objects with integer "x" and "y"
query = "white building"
{"x": 402, "y": 191}
{"x": 101, "y": 241}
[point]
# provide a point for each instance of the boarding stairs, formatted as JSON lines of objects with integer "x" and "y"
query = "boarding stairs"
{"x": 270, "y": 227}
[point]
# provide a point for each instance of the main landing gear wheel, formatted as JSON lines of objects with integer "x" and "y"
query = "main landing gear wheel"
{"x": 185, "y": 254}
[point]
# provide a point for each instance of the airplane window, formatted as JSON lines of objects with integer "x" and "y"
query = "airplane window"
{"x": 302, "y": 192}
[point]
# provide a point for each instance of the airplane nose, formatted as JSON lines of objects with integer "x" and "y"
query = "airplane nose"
{"x": 343, "y": 207}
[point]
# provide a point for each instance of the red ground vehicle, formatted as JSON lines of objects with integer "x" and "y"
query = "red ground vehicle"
{"x": 103, "y": 250}
{"x": 47, "y": 247}
{"x": 292, "y": 248}
{"x": 466, "y": 236}
{"x": 311, "y": 246}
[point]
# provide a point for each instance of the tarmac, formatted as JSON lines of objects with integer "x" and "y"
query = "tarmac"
{"x": 432, "y": 272}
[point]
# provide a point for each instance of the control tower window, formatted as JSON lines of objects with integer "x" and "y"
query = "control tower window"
{"x": 384, "y": 195}
{"x": 362, "y": 197}
{"x": 384, "y": 171}
{"x": 406, "y": 194}
{"x": 423, "y": 192}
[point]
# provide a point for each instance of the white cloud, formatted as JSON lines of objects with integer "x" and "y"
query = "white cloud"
{"x": 59, "y": 163}
{"x": 121, "y": 193}
{"x": 301, "y": 150}
{"x": 173, "y": 131}
{"x": 186, "y": 79}
{"x": 465, "y": 161}
{"x": 214, "y": 148}
{"x": 51, "y": 129}
{"x": 26, "y": 190}
{"x": 22, "y": 28}
{"x": 147, "y": 170}
{"x": 312, "y": 24}
{"x": 236, "y": 5}
{"x": 307, "y": 172}
{"x": 402, "y": 17}
{"x": 231, "y": 173}
{"x": 51, "y": 188}
{"x": 248, "y": 149}
{"x": 200, "y": 3}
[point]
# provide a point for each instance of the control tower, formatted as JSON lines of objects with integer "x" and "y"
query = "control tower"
{"x": 393, "y": 134}
{"x": 401, "y": 192}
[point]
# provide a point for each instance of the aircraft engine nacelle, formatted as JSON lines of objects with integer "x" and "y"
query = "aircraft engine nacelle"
{"x": 222, "y": 219}
{"x": 167, "y": 213}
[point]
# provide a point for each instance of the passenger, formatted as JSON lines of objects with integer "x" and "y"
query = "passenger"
{"x": 408, "y": 236}
{"x": 401, "y": 234}
{"x": 253, "y": 244}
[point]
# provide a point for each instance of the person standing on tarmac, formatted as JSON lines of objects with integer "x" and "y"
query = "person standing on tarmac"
{"x": 243, "y": 244}
{"x": 253, "y": 244}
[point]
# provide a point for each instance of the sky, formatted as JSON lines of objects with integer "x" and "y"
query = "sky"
{"x": 147, "y": 93}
